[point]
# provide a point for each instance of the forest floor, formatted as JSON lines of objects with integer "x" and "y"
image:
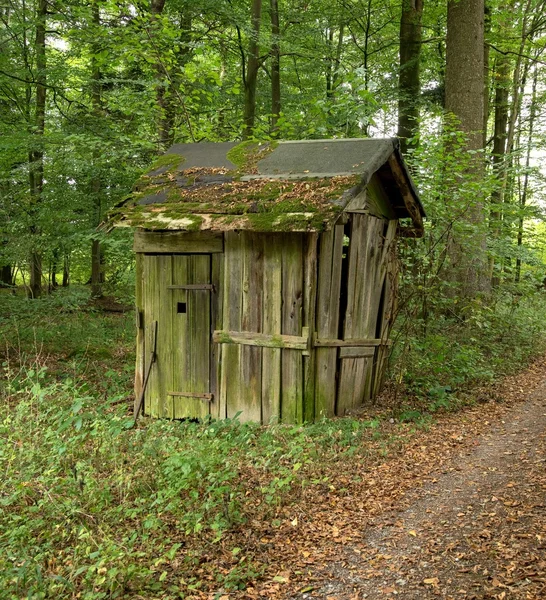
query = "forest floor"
{"x": 443, "y": 501}
{"x": 460, "y": 513}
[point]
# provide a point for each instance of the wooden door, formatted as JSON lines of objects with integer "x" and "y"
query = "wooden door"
{"x": 177, "y": 293}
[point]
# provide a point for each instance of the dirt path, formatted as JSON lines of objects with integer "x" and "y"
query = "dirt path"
{"x": 458, "y": 511}
{"x": 477, "y": 531}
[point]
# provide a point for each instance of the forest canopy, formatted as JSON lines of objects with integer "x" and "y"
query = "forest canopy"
{"x": 91, "y": 93}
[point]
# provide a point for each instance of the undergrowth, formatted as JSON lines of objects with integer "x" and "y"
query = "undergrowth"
{"x": 439, "y": 359}
{"x": 92, "y": 507}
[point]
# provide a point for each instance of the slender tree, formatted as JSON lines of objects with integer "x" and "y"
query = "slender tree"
{"x": 36, "y": 153}
{"x": 525, "y": 193}
{"x": 97, "y": 275}
{"x": 500, "y": 133}
{"x": 275, "y": 65}
{"x": 409, "y": 81}
{"x": 250, "y": 76}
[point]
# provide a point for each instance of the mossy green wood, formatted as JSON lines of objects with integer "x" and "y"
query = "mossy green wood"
{"x": 272, "y": 315}
{"x": 198, "y": 337}
{"x": 182, "y": 365}
{"x": 169, "y": 242}
{"x": 309, "y": 313}
{"x": 292, "y": 360}
{"x": 164, "y": 332}
{"x": 140, "y": 325}
{"x": 252, "y": 254}
{"x": 178, "y": 407}
{"x": 217, "y": 409}
{"x": 150, "y": 310}
{"x": 230, "y": 380}
{"x": 327, "y": 319}
{"x": 152, "y": 299}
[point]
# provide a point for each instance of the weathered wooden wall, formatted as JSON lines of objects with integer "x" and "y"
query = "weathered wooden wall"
{"x": 351, "y": 336}
{"x": 370, "y": 247}
{"x": 327, "y": 320}
{"x": 281, "y": 326}
{"x": 262, "y": 340}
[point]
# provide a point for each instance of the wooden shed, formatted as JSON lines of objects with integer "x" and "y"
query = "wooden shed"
{"x": 266, "y": 274}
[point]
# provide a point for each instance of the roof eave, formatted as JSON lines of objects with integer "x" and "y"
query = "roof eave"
{"x": 408, "y": 193}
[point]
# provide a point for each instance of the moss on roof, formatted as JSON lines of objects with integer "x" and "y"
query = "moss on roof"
{"x": 204, "y": 198}
{"x": 270, "y": 186}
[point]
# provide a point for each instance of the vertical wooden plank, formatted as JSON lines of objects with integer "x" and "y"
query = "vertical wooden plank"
{"x": 292, "y": 360}
{"x": 180, "y": 381}
{"x": 351, "y": 374}
{"x": 233, "y": 274}
{"x": 198, "y": 349}
{"x": 389, "y": 264}
{"x": 163, "y": 364}
{"x": 251, "y": 320}
{"x": 141, "y": 324}
{"x": 309, "y": 309}
{"x": 191, "y": 336}
{"x": 217, "y": 267}
{"x": 327, "y": 319}
{"x": 151, "y": 313}
{"x": 272, "y": 308}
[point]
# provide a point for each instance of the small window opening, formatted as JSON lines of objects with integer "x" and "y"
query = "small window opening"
{"x": 343, "y": 293}
{"x": 181, "y": 308}
{"x": 381, "y": 312}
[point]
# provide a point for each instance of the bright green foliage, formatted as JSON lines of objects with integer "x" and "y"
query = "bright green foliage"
{"x": 446, "y": 343}
{"x": 123, "y": 88}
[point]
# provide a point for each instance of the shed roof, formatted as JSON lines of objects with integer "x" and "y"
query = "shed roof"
{"x": 271, "y": 186}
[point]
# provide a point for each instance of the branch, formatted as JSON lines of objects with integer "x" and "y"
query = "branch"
{"x": 50, "y": 87}
{"x": 512, "y": 52}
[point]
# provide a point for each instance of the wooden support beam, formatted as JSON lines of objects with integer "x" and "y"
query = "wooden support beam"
{"x": 324, "y": 343}
{"x": 248, "y": 338}
{"x": 173, "y": 242}
{"x": 192, "y": 286}
{"x": 202, "y": 396}
{"x": 357, "y": 351}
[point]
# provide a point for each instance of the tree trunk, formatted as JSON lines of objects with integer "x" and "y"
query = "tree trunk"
{"x": 96, "y": 269}
{"x": 66, "y": 271}
{"x": 525, "y": 190}
{"x": 502, "y": 84}
{"x": 409, "y": 84}
{"x": 519, "y": 76}
{"x": 6, "y": 277}
{"x": 163, "y": 129}
{"x": 486, "y": 77}
{"x": 465, "y": 99}
{"x": 253, "y": 65}
{"x": 54, "y": 269}
{"x": 36, "y": 154}
{"x": 97, "y": 277}
{"x": 334, "y": 61}
{"x": 168, "y": 97}
{"x": 275, "y": 66}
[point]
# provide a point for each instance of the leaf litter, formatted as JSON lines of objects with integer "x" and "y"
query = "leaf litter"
{"x": 453, "y": 511}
